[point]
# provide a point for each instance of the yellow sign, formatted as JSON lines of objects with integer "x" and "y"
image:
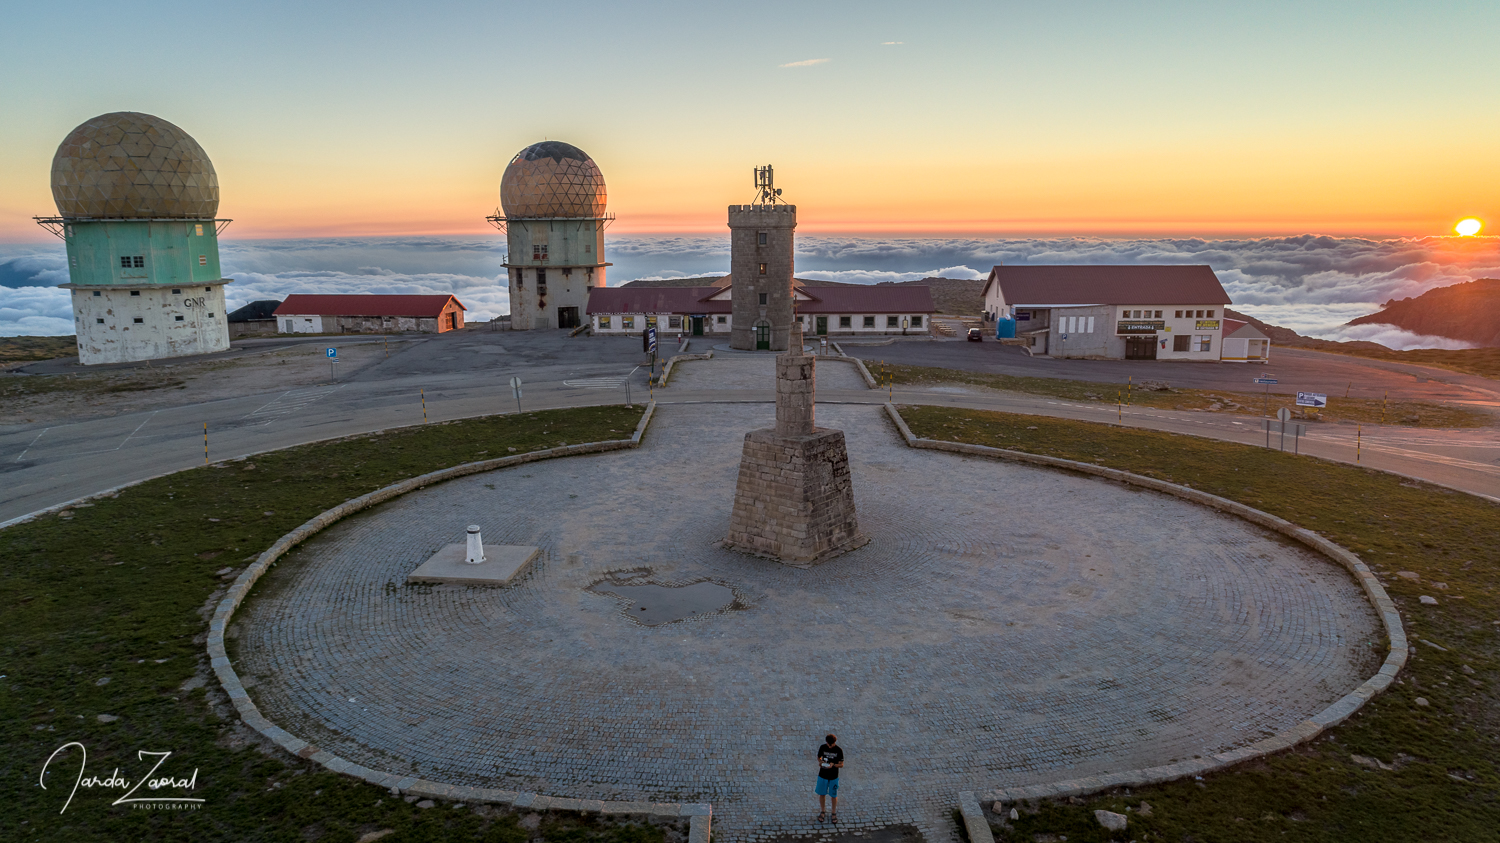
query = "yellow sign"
{"x": 1207, "y": 325}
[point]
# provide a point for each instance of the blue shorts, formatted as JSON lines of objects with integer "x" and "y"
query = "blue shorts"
{"x": 828, "y": 787}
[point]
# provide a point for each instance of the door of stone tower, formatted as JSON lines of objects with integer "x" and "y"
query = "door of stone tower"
{"x": 567, "y": 317}
{"x": 822, "y": 326}
{"x": 763, "y": 337}
{"x": 697, "y": 326}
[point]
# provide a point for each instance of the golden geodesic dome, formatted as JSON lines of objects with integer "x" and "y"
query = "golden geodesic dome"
{"x": 552, "y": 179}
{"x": 133, "y": 166}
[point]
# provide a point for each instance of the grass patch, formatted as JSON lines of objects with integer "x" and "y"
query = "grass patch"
{"x": 101, "y": 613}
{"x": 1484, "y": 362}
{"x": 31, "y": 349}
{"x": 1349, "y": 410}
{"x": 1443, "y": 781}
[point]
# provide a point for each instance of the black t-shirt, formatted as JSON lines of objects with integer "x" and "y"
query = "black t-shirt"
{"x": 827, "y": 757}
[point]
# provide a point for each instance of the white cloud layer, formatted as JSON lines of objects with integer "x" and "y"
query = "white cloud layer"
{"x": 1311, "y": 284}
{"x": 805, "y": 63}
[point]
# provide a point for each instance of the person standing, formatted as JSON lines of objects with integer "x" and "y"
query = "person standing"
{"x": 830, "y": 759}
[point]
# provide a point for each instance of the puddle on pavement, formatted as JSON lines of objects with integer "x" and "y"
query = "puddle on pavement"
{"x": 654, "y": 605}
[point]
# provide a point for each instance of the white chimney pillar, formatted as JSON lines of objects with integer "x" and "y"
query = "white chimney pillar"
{"x": 476, "y": 546}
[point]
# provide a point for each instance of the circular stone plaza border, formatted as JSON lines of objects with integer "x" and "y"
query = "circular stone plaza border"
{"x": 700, "y": 814}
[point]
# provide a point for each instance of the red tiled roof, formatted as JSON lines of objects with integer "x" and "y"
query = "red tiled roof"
{"x": 882, "y": 298}
{"x": 1233, "y": 327}
{"x": 1079, "y": 285}
{"x": 307, "y": 304}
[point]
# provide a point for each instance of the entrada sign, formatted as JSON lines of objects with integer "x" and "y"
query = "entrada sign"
{"x": 1140, "y": 327}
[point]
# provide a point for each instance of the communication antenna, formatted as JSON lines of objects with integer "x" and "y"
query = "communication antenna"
{"x": 765, "y": 185}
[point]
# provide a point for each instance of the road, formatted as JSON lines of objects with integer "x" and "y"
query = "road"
{"x": 467, "y": 373}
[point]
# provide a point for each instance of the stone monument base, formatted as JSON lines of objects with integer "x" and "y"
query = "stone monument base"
{"x": 502, "y": 563}
{"x": 794, "y": 501}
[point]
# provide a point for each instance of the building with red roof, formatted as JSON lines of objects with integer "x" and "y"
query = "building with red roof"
{"x": 699, "y": 311}
{"x": 305, "y": 313}
{"x": 1110, "y": 312}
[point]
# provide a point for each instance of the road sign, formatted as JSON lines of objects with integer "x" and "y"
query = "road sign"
{"x": 650, "y": 339}
{"x": 1312, "y": 399}
{"x": 515, "y": 383}
{"x": 1284, "y": 414}
{"x": 1266, "y": 380}
{"x": 333, "y": 353}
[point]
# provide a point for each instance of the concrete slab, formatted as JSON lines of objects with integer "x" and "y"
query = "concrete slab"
{"x": 502, "y": 563}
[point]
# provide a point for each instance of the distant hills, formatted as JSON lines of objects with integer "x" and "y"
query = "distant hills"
{"x": 1468, "y": 312}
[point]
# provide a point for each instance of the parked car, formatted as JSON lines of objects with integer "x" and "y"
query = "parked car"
{"x": 976, "y": 335}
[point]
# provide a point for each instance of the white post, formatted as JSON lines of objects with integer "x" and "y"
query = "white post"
{"x": 476, "y": 546}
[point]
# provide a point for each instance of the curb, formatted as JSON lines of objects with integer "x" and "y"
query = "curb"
{"x": 1308, "y": 729}
{"x": 666, "y": 373}
{"x": 700, "y": 814}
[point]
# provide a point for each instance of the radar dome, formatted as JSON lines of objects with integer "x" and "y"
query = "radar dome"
{"x": 127, "y": 165}
{"x": 552, "y": 179}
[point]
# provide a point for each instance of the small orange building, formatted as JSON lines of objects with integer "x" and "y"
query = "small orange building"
{"x": 306, "y": 313}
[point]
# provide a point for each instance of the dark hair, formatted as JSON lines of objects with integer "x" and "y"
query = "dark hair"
{"x": 831, "y": 739}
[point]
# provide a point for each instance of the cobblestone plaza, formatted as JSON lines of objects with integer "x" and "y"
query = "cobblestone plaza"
{"x": 1005, "y": 625}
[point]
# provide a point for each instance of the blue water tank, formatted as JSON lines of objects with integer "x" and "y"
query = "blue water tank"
{"x": 1005, "y": 329}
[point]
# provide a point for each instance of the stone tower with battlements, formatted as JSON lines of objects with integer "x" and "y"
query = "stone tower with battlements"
{"x": 760, "y": 269}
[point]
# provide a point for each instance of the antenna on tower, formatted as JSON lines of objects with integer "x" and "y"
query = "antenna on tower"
{"x": 765, "y": 185}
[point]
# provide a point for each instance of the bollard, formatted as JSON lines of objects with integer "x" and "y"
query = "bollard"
{"x": 475, "y": 553}
{"x": 205, "y": 443}
{"x": 423, "y": 393}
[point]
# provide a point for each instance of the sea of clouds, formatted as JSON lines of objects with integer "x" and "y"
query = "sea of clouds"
{"x": 1311, "y": 284}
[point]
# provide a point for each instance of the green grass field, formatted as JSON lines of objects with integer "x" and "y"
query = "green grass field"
{"x": 1360, "y": 410}
{"x": 104, "y": 613}
{"x": 1440, "y": 780}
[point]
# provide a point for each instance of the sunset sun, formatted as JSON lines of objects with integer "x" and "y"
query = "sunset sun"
{"x": 1468, "y": 227}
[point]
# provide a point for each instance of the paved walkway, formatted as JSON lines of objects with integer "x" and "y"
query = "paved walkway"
{"x": 1005, "y": 625}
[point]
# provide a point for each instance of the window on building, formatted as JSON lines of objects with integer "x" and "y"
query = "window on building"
{"x": 97, "y": 294}
{"x": 1124, "y": 314}
{"x": 135, "y": 292}
{"x": 916, "y": 321}
{"x": 541, "y": 282}
{"x": 627, "y": 322}
{"x": 1210, "y": 314}
{"x": 132, "y": 261}
{"x": 588, "y": 247}
{"x": 308, "y": 321}
{"x": 762, "y": 269}
{"x": 176, "y": 292}
{"x": 604, "y": 323}
{"x": 288, "y": 326}
{"x": 1199, "y": 314}
{"x": 1181, "y": 342}
{"x": 211, "y": 315}
{"x": 1158, "y": 314}
{"x": 1137, "y": 314}
{"x": 1178, "y": 316}
{"x": 98, "y": 321}
{"x": 208, "y": 289}
{"x": 762, "y": 295}
{"x": 846, "y": 321}
{"x": 893, "y": 321}
{"x": 869, "y": 322}
{"x": 650, "y": 321}
{"x": 177, "y": 318}
{"x": 674, "y": 322}
{"x": 1205, "y": 342}
{"x": 538, "y": 251}
{"x": 761, "y": 238}
{"x": 1091, "y": 326}
{"x": 723, "y": 320}
{"x": 139, "y": 320}
{"x": 517, "y": 281}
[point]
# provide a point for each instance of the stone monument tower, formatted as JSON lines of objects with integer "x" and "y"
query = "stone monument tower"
{"x": 137, "y": 200}
{"x": 552, "y": 200}
{"x": 794, "y": 501}
{"x": 760, "y": 268}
